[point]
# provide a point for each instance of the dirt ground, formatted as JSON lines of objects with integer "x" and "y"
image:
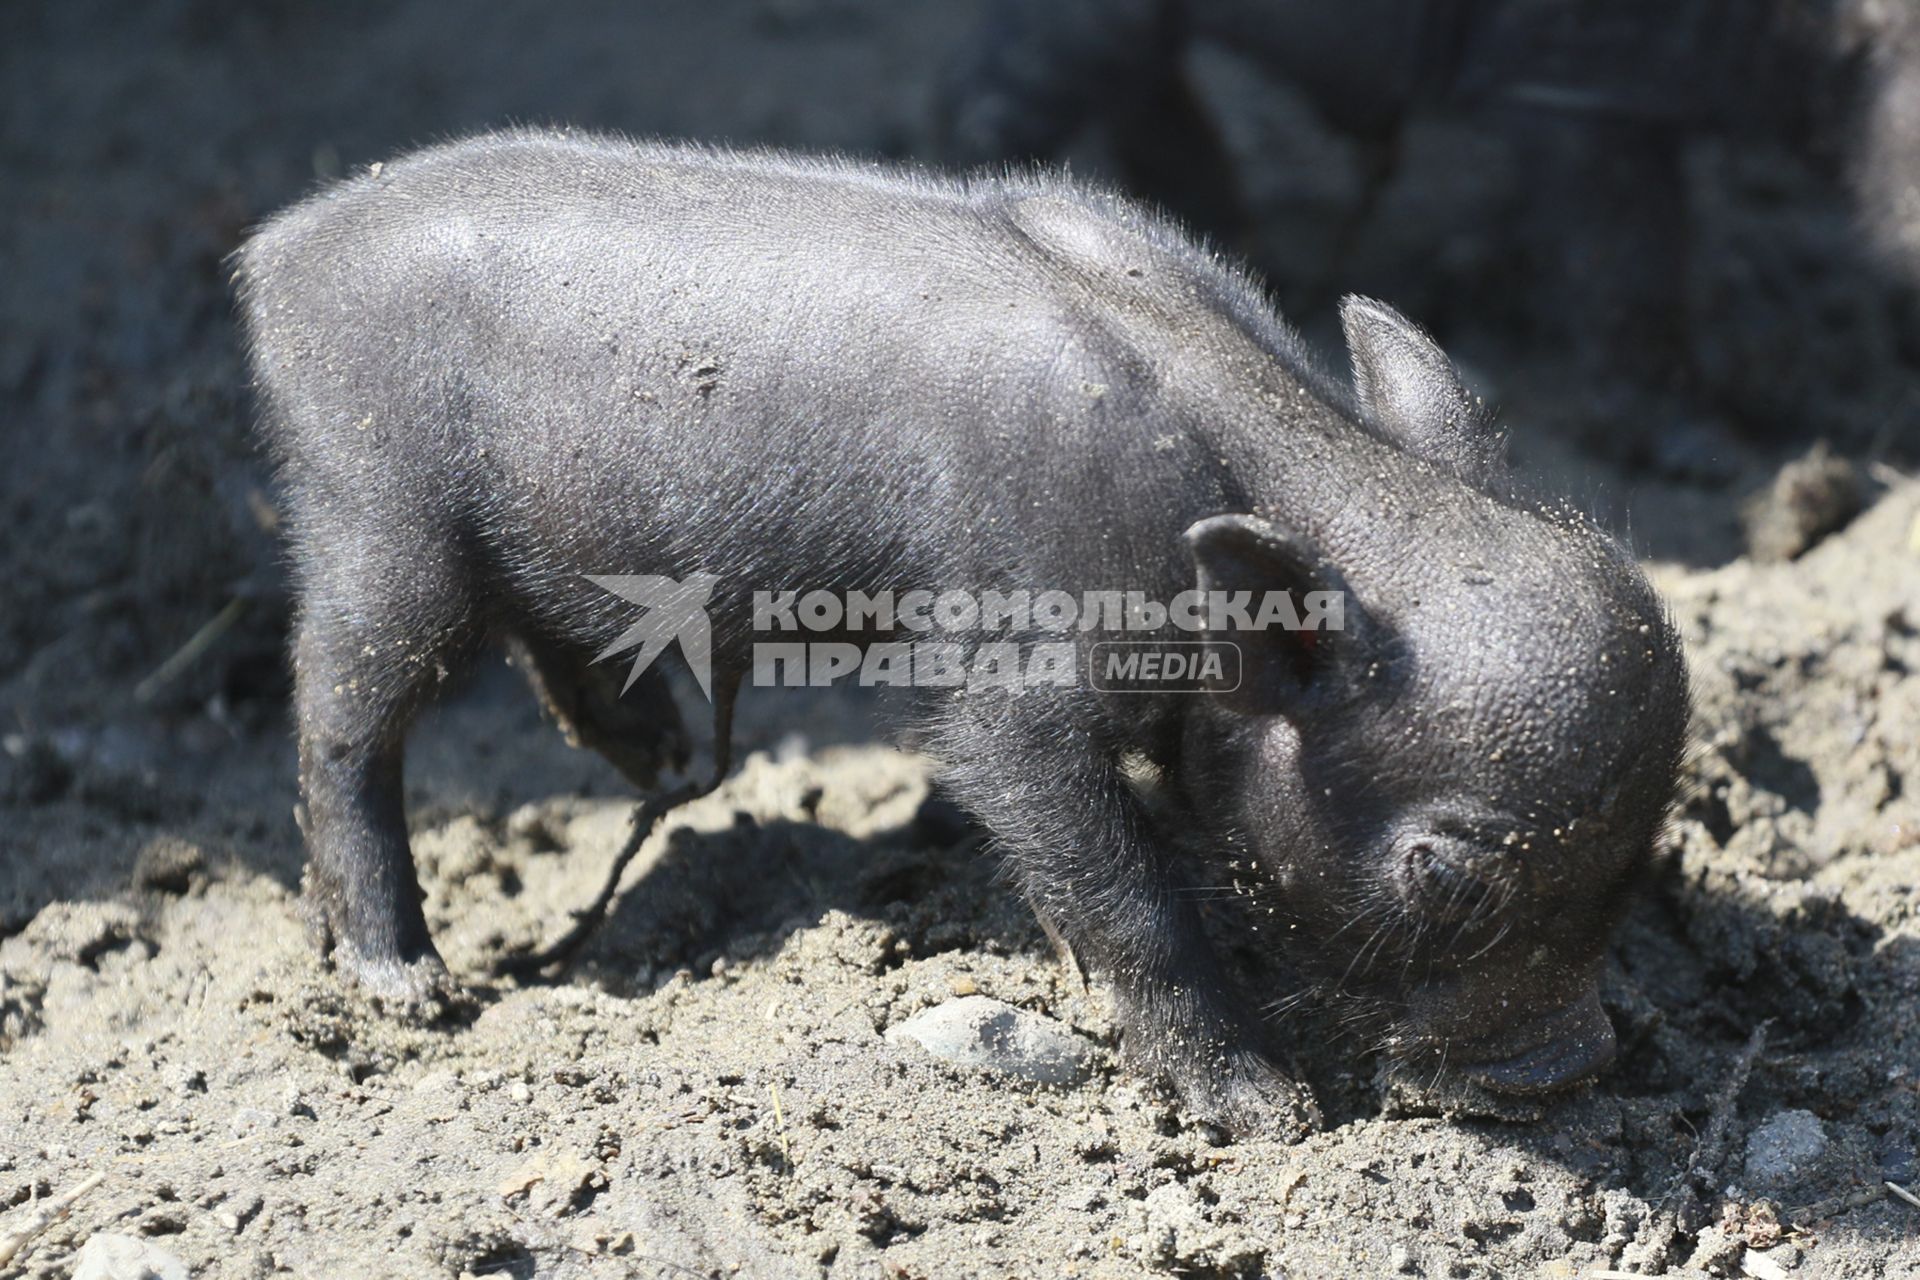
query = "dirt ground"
{"x": 710, "y": 1092}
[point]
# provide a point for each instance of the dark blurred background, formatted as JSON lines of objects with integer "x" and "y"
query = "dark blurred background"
{"x": 1674, "y": 241}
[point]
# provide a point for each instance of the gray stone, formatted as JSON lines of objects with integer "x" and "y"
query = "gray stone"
{"x": 1783, "y": 1147}
{"x": 111, "y": 1257}
{"x": 976, "y": 1031}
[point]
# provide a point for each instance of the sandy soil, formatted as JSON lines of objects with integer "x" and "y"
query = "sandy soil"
{"x": 710, "y": 1092}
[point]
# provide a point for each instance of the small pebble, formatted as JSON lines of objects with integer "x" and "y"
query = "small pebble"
{"x": 977, "y": 1031}
{"x": 251, "y": 1119}
{"x": 1784, "y": 1146}
{"x": 111, "y": 1257}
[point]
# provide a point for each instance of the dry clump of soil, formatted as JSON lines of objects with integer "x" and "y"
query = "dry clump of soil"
{"x": 712, "y": 1091}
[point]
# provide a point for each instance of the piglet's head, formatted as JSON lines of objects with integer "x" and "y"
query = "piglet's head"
{"x": 1445, "y": 803}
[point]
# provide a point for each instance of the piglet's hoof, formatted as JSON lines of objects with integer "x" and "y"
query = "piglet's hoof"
{"x": 419, "y": 990}
{"x": 1248, "y": 1096}
{"x": 411, "y": 983}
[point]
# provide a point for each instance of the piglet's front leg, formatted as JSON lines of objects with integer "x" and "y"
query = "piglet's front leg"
{"x": 1086, "y": 855}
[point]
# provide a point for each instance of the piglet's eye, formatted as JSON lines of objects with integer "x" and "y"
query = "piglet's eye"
{"x": 1433, "y": 867}
{"x": 1438, "y": 878}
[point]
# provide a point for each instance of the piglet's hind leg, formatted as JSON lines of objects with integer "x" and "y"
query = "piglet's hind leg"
{"x": 377, "y": 633}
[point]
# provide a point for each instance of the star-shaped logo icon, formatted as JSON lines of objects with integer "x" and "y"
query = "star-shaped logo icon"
{"x": 674, "y": 611}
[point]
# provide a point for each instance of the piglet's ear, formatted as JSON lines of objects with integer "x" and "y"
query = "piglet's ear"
{"x": 1276, "y": 668}
{"x": 1406, "y": 384}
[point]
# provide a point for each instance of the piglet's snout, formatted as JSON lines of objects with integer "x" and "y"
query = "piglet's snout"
{"x": 1556, "y": 1051}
